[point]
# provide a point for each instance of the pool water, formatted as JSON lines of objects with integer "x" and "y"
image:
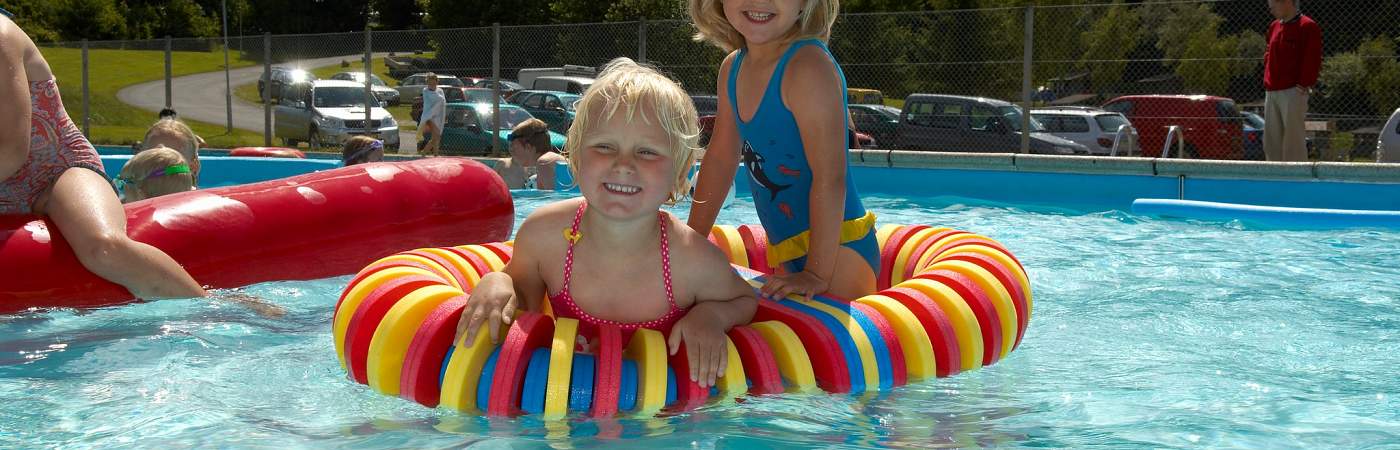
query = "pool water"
{"x": 1146, "y": 333}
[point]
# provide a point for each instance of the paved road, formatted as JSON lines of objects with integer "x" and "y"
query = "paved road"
{"x": 201, "y": 97}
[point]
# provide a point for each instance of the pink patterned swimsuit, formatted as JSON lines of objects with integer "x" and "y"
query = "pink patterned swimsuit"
{"x": 564, "y": 306}
{"x": 55, "y": 145}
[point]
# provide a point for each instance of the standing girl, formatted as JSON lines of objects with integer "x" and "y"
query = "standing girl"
{"x": 782, "y": 109}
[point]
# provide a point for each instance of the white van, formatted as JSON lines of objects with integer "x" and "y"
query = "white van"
{"x": 527, "y": 77}
{"x": 572, "y": 85}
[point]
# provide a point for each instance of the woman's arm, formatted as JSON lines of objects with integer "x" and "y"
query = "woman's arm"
{"x": 14, "y": 99}
{"x": 721, "y": 159}
{"x": 811, "y": 90}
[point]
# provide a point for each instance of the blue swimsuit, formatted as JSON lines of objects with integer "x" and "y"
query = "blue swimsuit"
{"x": 781, "y": 179}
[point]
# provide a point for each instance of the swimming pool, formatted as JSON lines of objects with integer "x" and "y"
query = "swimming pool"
{"x": 1147, "y": 333}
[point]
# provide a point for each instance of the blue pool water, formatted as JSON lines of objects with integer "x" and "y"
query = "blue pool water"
{"x": 1146, "y": 333}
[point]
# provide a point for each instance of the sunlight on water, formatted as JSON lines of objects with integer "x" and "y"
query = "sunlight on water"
{"x": 1146, "y": 333}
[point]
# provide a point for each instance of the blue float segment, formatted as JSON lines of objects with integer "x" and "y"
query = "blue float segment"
{"x": 483, "y": 387}
{"x": 670, "y": 386}
{"x": 627, "y": 391}
{"x": 1271, "y": 217}
{"x": 536, "y": 379}
{"x": 877, "y": 340}
{"x": 446, "y": 359}
{"x": 843, "y": 339}
{"x": 581, "y": 383}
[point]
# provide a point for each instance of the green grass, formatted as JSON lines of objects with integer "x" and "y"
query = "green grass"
{"x": 249, "y": 92}
{"x": 116, "y": 123}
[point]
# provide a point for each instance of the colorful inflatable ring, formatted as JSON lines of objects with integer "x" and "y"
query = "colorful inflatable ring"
{"x": 214, "y": 233}
{"x": 267, "y": 152}
{"x": 957, "y": 301}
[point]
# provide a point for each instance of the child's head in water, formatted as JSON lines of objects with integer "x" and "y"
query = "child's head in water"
{"x": 732, "y": 25}
{"x": 172, "y": 133}
{"x": 153, "y": 173}
{"x": 362, "y": 149}
{"x": 633, "y": 140}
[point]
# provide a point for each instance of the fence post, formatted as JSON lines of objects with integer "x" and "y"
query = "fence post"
{"x": 642, "y": 40}
{"x": 87, "y": 110}
{"x": 267, "y": 89}
{"x": 1026, "y": 79}
{"x": 228, "y": 79}
{"x": 369, "y": 92}
{"x": 169, "y": 96}
{"x": 496, "y": 99}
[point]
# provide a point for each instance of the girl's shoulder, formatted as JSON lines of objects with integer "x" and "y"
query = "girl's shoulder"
{"x": 548, "y": 221}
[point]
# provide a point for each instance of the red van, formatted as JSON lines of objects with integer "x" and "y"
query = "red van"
{"x": 1213, "y": 126}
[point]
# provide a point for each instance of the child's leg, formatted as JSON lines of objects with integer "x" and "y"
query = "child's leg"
{"x": 854, "y": 277}
{"x": 84, "y": 207}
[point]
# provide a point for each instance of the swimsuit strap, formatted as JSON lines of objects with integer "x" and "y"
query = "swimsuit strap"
{"x": 572, "y": 235}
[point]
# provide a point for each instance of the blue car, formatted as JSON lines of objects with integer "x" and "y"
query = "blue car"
{"x": 1253, "y": 137}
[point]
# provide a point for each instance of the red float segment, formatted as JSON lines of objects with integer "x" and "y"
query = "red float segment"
{"x": 942, "y": 251}
{"x": 689, "y": 394}
{"x": 946, "y": 352}
{"x": 422, "y": 366}
{"x": 607, "y": 379}
{"x": 981, "y": 305}
{"x": 445, "y": 266}
{"x": 478, "y": 264}
{"x": 378, "y": 209}
{"x": 757, "y": 357}
{"x": 529, "y": 331}
{"x": 756, "y": 244}
{"x": 899, "y": 371}
{"x": 371, "y": 270}
{"x": 267, "y": 152}
{"x": 501, "y": 250}
{"x": 890, "y": 252}
{"x": 1003, "y": 275}
{"x": 828, "y": 361}
{"x": 367, "y": 316}
{"x": 912, "y": 267}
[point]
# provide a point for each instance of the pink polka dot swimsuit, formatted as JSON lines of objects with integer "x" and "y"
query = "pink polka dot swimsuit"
{"x": 563, "y": 302}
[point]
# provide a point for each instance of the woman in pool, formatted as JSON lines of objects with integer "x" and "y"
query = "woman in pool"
{"x": 47, "y": 167}
{"x": 606, "y": 258}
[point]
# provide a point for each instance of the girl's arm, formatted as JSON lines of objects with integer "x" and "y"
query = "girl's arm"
{"x": 499, "y": 294}
{"x": 14, "y": 91}
{"x": 721, "y": 159}
{"x": 812, "y": 91}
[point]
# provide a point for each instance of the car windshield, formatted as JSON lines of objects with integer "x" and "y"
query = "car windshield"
{"x": 1012, "y": 116}
{"x": 889, "y": 112}
{"x": 1254, "y": 120}
{"x": 510, "y": 117}
{"x": 359, "y": 77}
{"x": 569, "y": 101}
{"x": 340, "y": 97}
{"x": 478, "y": 95}
{"x": 449, "y": 81}
{"x": 1109, "y": 123}
{"x": 454, "y": 95}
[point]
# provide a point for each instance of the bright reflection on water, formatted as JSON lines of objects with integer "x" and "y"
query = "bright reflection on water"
{"x": 1146, "y": 333}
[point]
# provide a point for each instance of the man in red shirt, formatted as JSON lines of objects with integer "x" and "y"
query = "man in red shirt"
{"x": 1291, "y": 64}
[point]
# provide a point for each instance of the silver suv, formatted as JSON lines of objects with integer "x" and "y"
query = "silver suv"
{"x": 381, "y": 90}
{"x": 1093, "y": 128}
{"x": 329, "y": 112}
{"x": 954, "y": 123}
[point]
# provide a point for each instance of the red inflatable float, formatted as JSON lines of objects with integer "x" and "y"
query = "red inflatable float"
{"x": 305, "y": 227}
{"x": 267, "y": 152}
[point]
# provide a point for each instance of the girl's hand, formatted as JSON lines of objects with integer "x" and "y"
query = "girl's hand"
{"x": 705, "y": 347}
{"x": 493, "y": 302}
{"x": 804, "y": 282}
{"x": 262, "y": 307}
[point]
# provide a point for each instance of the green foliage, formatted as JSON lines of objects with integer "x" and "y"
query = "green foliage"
{"x": 1367, "y": 76}
{"x": 1106, "y": 43}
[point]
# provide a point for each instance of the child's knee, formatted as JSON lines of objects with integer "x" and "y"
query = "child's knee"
{"x": 102, "y": 249}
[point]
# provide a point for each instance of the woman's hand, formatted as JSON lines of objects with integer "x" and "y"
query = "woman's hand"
{"x": 702, "y": 332}
{"x": 492, "y": 302}
{"x": 806, "y": 283}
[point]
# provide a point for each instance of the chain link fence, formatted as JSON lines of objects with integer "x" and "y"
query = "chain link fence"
{"x": 1074, "y": 57}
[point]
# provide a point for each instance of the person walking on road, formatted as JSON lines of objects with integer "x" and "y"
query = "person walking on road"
{"x": 1291, "y": 64}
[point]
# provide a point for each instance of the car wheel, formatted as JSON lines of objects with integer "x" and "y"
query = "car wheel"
{"x": 290, "y": 143}
{"x": 314, "y": 140}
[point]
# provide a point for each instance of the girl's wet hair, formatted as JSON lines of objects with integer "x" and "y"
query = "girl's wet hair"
{"x": 190, "y": 149}
{"x": 625, "y": 87}
{"x": 358, "y": 148}
{"x": 155, "y": 172}
{"x": 814, "y": 22}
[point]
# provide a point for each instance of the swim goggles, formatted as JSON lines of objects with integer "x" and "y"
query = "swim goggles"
{"x": 512, "y": 136}
{"x": 7, "y": 13}
{"x": 376, "y": 145}
{"x": 122, "y": 182}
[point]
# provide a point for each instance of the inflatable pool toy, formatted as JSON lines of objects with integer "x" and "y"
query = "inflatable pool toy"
{"x": 305, "y": 227}
{"x": 267, "y": 152}
{"x": 955, "y": 301}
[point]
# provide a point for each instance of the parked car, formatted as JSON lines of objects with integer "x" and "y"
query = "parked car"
{"x": 705, "y": 105}
{"x": 1253, "y": 136}
{"x": 281, "y": 78}
{"x": 412, "y": 87}
{"x": 707, "y": 128}
{"x": 469, "y": 128}
{"x": 1212, "y": 126}
{"x": 329, "y": 112}
{"x": 572, "y": 85}
{"x": 953, "y": 123}
{"x": 381, "y": 90}
{"x": 454, "y": 95}
{"x": 507, "y": 87}
{"x": 858, "y": 96}
{"x": 880, "y": 122}
{"x": 1093, "y": 128}
{"x": 553, "y": 107}
{"x": 1388, "y": 146}
{"x": 526, "y": 77}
